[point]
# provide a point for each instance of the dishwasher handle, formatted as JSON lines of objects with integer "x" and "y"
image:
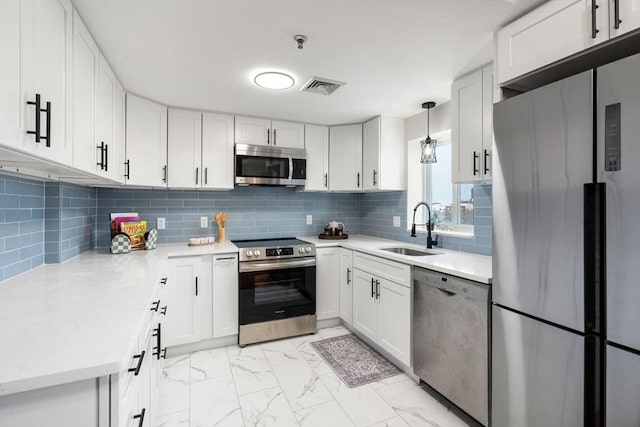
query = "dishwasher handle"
{"x": 446, "y": 292}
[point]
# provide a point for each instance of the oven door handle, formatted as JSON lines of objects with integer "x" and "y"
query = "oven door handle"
{"x": 290, "y": 168}
{"x": 247, "y": 267}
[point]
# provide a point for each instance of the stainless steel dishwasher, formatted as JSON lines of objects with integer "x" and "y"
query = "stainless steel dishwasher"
{"x": 451, "y": 339}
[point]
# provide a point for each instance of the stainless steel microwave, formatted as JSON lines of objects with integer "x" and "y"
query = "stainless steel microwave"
{"x": 265, "y": 165}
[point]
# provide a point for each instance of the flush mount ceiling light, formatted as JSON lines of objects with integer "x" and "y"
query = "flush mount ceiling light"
{"x": 274, "y": 80}
{"x": 428, "y": 145}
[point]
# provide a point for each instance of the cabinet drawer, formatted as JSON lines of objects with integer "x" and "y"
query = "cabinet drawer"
{"x": 390, "y": 270}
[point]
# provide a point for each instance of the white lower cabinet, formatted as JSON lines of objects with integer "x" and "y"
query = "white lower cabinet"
{"x": 203, "y": 294}
{"x": 189, "y": 293}
{"x": 327, "y": 283}
{"x": 382, "y": 304}
{"x": 225, "y": 295}
{"x": 346, "y": 285}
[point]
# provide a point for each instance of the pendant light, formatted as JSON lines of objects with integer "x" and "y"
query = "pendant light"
{"x": 428, "y": 145}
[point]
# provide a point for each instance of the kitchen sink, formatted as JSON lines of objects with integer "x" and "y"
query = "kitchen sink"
{"x": 409, "y": 251}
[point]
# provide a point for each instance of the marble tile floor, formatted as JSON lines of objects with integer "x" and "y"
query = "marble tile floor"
{"x": 286, "y": 383}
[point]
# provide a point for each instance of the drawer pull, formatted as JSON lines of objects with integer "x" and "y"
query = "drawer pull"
{"x": 140, "y": 417}
{"x": 140, "y": 358}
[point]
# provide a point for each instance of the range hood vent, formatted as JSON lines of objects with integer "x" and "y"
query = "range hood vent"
{"x": 321, "y": 86}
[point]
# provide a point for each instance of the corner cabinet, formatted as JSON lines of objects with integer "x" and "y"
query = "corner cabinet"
{"x": 316, "y": 142}
{"x": 472, "y": 126}
{"x": 383, "y": 154}
{"x": 146, "y": 143}
{"x": 345, "y": 158}
{"x": 258, "y": 131}
{"x": 36, "y": 39}
{"x": 382, "y": 304}
{"x": 327, "y": 286}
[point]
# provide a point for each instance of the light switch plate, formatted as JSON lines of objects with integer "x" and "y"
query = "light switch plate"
{"x": 160, "y": 224}
{"x": 396, "y": 221}
{"x": 204, "y": 222}
{"x": 309, "y": 219}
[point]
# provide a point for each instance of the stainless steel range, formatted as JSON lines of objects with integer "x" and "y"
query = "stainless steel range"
{"x": 277, "y": 279}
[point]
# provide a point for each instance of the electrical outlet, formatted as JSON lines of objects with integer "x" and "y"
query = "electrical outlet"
{"x": 396, "y": 221}
{"x": 204, "y": 222}
{"x": 160, "y": 224}
{"x": 309, "y": 219}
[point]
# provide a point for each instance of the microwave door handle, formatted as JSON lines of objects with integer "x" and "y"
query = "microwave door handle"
{"x": 290, "y": 168}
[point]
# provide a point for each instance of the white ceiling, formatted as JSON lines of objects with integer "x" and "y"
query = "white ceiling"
{"x": 202, "y": 54}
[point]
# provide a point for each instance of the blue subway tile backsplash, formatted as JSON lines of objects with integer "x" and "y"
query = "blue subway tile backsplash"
{"x": 51, "y": 222}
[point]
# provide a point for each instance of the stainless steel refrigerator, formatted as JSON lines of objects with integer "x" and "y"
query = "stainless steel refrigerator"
{"x": 566, "y": 259}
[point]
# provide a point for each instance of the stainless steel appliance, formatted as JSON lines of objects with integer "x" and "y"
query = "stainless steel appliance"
{"x": 266, "y": 165}
{"x": 277, "y": 279}
{"x": 451, "y": 339}
{"x": 566, "y": 200}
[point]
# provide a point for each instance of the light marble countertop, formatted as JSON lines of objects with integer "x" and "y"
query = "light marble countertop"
{"x": 67, "y": 322}
{"x": 461, "y": 264}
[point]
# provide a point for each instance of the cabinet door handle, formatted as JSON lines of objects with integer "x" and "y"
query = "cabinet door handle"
{"x": 348, "y": 276}
{"x": 616, "y": 14}
{"x": 326, "y": 180}
{"x": 373, "y": 294}
{"x": 164, "y": 174}
{"x": 594, "y": 30}
{"x": 36, "y": 132}
{"x": 164, "y": 353}
{"x": 225, "y": 258}
{"x": 48, "y": 125}
{"x": 374, "y": 178}
{"x": 377, "y": 289}
{"x": 268, "y": 137}
{"x": 274, "y": 137}
{"x": 106, "y": 157}
{"x": 163, "y": 310}
{"x": 127, "y": 165}
{"x": 196, "y": 285}
{"x": 197, "y": 173}
{"x": 155, "y": 306}
{"x": 163, "y": 281}
{"x": 140, "y": 417}
{"x": 358, "y": 182}
{"x": 205, "y": 176}
{"x": 475, "y": 160}
{"x": 101, "y": 148}
{"x": 140, "y": 358}
{"x": 486, "y": 164}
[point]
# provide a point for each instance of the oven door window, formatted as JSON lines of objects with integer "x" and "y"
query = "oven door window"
{"x": 262, "y": 167}
{"x": 277, "y": 294}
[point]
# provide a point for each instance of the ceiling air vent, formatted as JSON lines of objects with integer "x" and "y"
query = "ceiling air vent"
{"x": 321, "y": 86}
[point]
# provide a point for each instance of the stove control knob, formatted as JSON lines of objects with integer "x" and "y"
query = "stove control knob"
{"x": 249, "y": 253}
{"x": 307, "y": 249}
{"x": 256, "y": 252}
{"x": 301, "y": 250}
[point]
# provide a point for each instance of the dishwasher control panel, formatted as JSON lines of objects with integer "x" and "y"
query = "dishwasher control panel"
{"x": 450, "y": 284}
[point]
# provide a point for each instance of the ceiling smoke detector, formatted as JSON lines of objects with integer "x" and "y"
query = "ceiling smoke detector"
{"x": 321, "y": 86}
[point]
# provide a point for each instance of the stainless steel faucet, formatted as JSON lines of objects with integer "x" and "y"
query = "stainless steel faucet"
{"x": 430, "y": 241}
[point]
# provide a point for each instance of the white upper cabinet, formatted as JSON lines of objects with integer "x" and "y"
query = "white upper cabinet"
{"x": 345, "y": 158}
{"x": 471, "y": 126}
{"x": 383, "y": 154}
{"x": 106, "y": 140}
{"x": 624, "y": 16}
{"x": 116, "y": 155}
{"x": 36, "y": 50}
{"x": 217, "y": 151}
{"x": 287, "y": 134}
{"x": 555, "y": 30}
{"x": 317, "y": 144}
{"x": 184, "y": 149}
{"x": 86, "y": 62}
{"x": 200, "y": 148}
{"x": 257, "y": 131}
{"x": 11, "y": 99}
{"x": 146, "y": 143}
